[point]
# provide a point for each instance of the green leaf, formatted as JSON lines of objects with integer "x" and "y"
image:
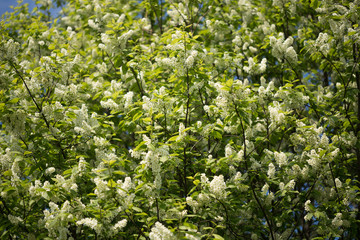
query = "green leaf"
{"x": 136, "y": 209}
{"x": 97, "y": 95}
{"x": 137, "y": 116}
{"x": 173, "y": 139}
{"x": 218, "y": 237}
{"x": 216, "y": 135}
{"x": 190, "y": 225}
{"x": 109, "y": 32}
{"x": 229, "y": 82}
{"x": 14, "y": 100}
{"x": 142, "y": 214}
{"x": 139, "y": 146}
{"x": 148, "y": 119}
{"x": 52, "y": 46}
{"x": 111, "y": 162}
{"x": 119, "y": 173}
{"x": 111, "y": 183}
{"x": 314, "y": 4}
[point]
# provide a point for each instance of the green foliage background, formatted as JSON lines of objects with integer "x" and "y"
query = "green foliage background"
{"x": 180, "y": 120}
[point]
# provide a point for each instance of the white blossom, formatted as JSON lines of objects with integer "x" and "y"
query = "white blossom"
{"x": 160, "y": 232}
{"x": 338, "y": 183}
{"x": 265, "y": 189}
{"x": 89, "y": 222}
{"x": 128, "y": 99}
{"x": 271, "y": 170}
{"x": 14, "y": 219}
{"x": 101, "y": 188}
{"x": 93, "y": 25}
{"x": 120, "y": 225}
{"x": 291, "y": 184}
{"x": 204, "y": 179}
{"x": 337, "y": 221}
{"x": 147, "y": 140}
{"x": 228, "y": 150}
{"x": 50, "y": 170}
{"x": 280, "y": 158}
{"x": 276, "y": 116}
{"x": 307, "y": 206}
{"x": 282, "y": 49}
{"x": 314, "y": 159}
{"x": 255, "y": 68}
{"x": 218, "y": 186}
{"x": 182, "y": 133}
{"x": 10, "y": 50}
{"x": 322, "y": 43}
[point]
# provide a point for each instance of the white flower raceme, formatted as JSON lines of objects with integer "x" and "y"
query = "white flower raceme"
{"x": 50, "y": 170}
{"x": 120, "y": 225}
{"x": 338, "y": 183}
{"x": 102, "y": 67}
{"x": 124, "y": 38}
{"x": 204, "y": 179}
{"x": 282, "y": 49}
{"x": 322, "y": 43}
{"x": 6, "y": 159}
{"x": 15, "y": 220}
{"x": 147, "y": 104}
{"x": 271, "y": 170}
{"x": 189, "y": 62}
{"x": 309, "y": 215}
{"x": 182, "y": 133}
{"x": 203, "y": 199}
{"x": 228, "y": 150}
{"x": 290, "y": 185}
{"x": 280, "y": 158}
{"x": 147, "y": 140}
{"x": 128, "y": 99}
{"x": 191, "y": 236}
{"x": 281, "y": 186}
{"x": 160, "y": 232}
{"x": 255, "y": 68}
{"x": 124, "y": 187}
{"x": 93, "y": 25}
{"x": 9, "y": 50}
{"x": 81, "y": 166}
{"x": 337, "y": 221}
{"x": 314, "y": 159}
{"x": 265, "y": 189}
{"x": 218, "y": 186}
{"x": 101, "y": 188}
{"x": 15, "y": 122}
{"x": 100, "y": 142}
{"x": 83, "y": 123}
{"x": 276, "y": 116}
{"x": 74, "y": 187}
{"x": 105, "y": 38}
{"x": 307, "y": 206}
{"x": 89, "y": 222}
{"x": 192, "y": 203}
{"x": 238, "y": 177}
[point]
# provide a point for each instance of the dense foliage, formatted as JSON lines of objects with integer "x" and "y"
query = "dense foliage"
{"x": 127, "y": 119}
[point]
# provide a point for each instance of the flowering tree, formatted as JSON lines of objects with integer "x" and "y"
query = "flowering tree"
{"x": 196, "y": 119}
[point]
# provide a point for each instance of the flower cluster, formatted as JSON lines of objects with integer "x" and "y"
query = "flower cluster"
{"x": 218, "y": 187}
{"x": 159, "y": 231}
{"x": 255, "y": 68}
{"x": 9, "y": 50}
{"x": 282, "y": 49}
